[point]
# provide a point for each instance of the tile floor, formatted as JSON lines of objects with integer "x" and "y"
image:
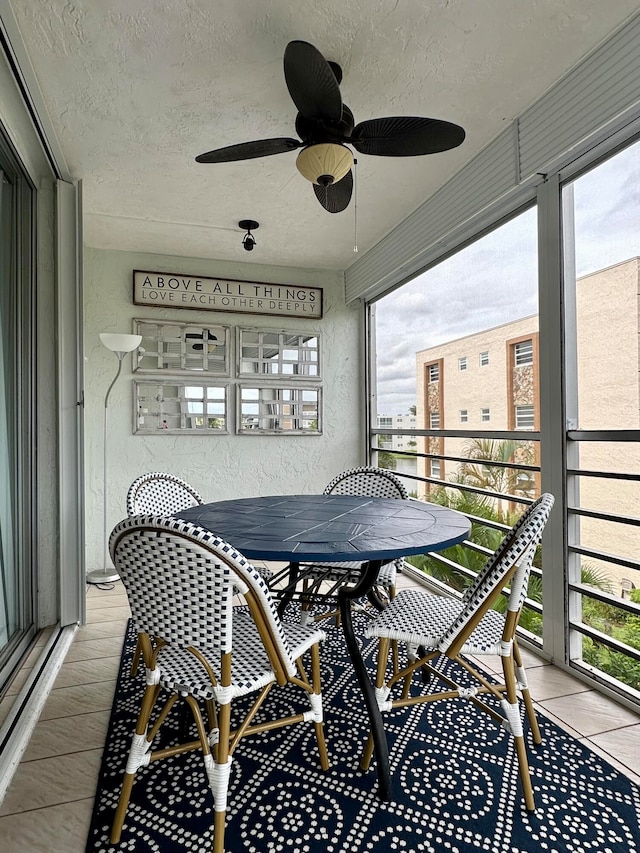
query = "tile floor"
{"x": 48, "y": 806}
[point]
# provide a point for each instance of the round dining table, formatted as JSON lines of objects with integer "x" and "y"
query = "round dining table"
{"x": 312, "y": 529}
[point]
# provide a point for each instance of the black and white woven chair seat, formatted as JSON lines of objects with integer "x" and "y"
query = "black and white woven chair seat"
{"x": 417, "y": 618}
{"x": 181, "y": 671}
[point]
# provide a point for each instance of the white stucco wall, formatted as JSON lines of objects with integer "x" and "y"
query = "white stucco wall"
{"x": 224, "y": 466}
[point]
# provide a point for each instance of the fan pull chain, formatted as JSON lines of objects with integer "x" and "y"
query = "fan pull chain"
{"x": 355, "y": 207}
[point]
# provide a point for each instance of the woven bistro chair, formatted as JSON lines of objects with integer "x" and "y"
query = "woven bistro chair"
{"x": 163, "y": 495}
{"x": 372, "y": 482}
{"x": 434, "y": 626}
{"x": 180, "y": 581}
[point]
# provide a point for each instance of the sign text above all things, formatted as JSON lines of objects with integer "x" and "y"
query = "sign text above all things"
{"x": 173, "y": 290}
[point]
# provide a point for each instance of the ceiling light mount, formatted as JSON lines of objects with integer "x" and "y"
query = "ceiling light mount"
{"x": 248, "y": 241}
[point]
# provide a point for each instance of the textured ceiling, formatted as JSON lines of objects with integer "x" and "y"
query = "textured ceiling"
{"x": 137, "y": 88}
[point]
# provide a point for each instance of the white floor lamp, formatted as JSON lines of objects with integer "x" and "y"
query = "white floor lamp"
{"x": 120, "y": 345}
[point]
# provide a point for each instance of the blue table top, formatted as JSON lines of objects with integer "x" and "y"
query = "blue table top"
{"x": 303, "y": 528}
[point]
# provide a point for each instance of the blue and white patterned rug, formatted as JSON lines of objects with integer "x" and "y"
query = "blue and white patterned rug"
{"x": 455, "y": 779}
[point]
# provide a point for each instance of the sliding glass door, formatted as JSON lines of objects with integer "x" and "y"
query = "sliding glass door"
{"x": 16, "y": 456}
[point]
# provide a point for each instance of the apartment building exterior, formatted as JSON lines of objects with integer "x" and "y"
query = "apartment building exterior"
{"x": 489, "y": 381}
{"x": 397, "y": 443}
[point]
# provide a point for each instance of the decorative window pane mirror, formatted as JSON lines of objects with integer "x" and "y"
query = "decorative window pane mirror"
{"x": 179, "y": 406}
{"x": 179, "y": 347}
{"x": 277, "y": 353}
{"x": 279, "y": 410}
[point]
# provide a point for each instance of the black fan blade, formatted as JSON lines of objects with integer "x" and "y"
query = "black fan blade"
{"x": 311, "y": 83}
{"x": 335, "y": 197}
{"x": 249, "y": 150}
{"x": 405, "y": 136}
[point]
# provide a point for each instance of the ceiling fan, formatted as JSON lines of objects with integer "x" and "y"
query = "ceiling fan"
{"x": 326, "y": 126}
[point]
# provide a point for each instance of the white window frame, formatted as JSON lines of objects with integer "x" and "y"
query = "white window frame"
{"x": 485, "y": 415}
{"x": 464, "y": 416}
{"x": 462, "y": 362}
{"x": 434, "y": 420}
{"x": 435, "y": 469}
{"x": 434, "y": 372}
{"x": 484, "y": 358}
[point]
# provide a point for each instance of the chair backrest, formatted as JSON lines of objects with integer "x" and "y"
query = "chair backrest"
{"x": 180, "y": 582}
{"x": 506, "y": 544}
{"x": 367, "y": 480}
{"x": 510, "y": 565}
{"x": 160, "y": 494}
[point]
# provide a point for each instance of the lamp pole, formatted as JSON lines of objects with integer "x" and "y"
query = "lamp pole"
{"x": 120, "y": 345}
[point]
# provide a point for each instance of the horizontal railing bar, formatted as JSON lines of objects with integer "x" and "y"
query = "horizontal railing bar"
{"x": 602, "y": 555}
{"x": 517, "y": 435}
{"x": 606, "y": 598}
{"x": 464, "y": 459}
{"x": 605, "y": 516}
{"x": 606, "y": 475}
{"x": 606, "y": 640}
{"x": 603, "y": 435}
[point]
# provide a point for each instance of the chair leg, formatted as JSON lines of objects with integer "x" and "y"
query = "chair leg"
{"x": 139, "y": 746}
{"x": 219, "y": 772}
{"x": 526, "y": 695}
{"x": 319, "y": 726}
{"x": 136, "y": 659}
{"x": 512, "y": 713}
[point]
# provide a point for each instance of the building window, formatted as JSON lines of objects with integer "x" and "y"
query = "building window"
{"x": 464, "y": 416}
{"x": 462, "y": 363}
{"x": 524, "y": 417}
{"x": 485, "y": 415}
{"x": 484, "y": 358}
{"x": 434, "y": 420}
{"x": 435, "y": 468}
{"x": 434, "y": 372}
{"x": 523, "y": 353}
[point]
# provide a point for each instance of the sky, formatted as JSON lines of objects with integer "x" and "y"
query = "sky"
{"x": 494, "y": 281}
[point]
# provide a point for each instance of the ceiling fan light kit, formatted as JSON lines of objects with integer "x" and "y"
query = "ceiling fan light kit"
{"x": 326, "y": 126}
{"x": 325, "y": 163}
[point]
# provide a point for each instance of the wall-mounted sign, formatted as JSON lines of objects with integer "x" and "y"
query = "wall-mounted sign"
{"x": 172, "y": 290}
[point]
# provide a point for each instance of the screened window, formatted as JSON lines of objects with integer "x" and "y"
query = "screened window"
{"x": 462, "y": 363}
{"x": 484, "y": 358}
{"x": 434, "y": 420}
